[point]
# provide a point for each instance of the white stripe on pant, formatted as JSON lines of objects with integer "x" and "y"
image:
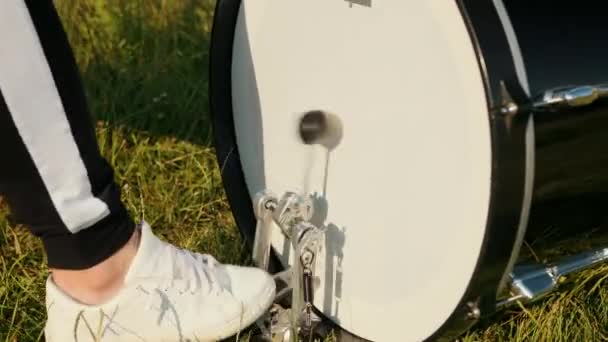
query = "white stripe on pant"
{"x": 52, "y": 174}
{"x": 33, "y": 100}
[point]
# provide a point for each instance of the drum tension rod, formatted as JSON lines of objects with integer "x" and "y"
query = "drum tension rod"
{"x": 292, "y": 214}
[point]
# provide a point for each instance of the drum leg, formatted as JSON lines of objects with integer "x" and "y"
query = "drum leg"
{"x": 531, "y": 282}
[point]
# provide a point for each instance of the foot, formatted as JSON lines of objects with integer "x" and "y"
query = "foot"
{"x": 98, "y": 284}
{"x": 169, "y": 294}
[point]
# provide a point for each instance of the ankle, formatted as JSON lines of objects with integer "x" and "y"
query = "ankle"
{"x": 101, "y": 282}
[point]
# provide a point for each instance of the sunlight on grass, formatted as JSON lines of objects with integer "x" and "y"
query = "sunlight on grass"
{"x": 145, "y": 62}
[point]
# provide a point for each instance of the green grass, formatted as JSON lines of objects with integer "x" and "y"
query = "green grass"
{"x": 144, "y": 64}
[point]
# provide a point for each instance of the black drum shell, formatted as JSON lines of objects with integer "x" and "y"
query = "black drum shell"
{"x": 565, "y": 45}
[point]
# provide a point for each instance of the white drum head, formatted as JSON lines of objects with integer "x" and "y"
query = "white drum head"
{"x": 405, "y": 193}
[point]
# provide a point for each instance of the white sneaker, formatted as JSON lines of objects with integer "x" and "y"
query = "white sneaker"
{"x": 170, "y": 294}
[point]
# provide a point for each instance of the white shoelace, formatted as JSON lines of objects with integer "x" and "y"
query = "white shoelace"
{"x": 197, "y": 271}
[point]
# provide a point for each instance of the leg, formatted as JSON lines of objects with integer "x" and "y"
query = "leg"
{"x": 57, "y": 183}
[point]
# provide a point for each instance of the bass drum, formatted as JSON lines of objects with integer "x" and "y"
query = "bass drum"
{"x": 427, "y": 192}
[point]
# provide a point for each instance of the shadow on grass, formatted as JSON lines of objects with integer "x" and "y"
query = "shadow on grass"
{"x": 144, "y": 64}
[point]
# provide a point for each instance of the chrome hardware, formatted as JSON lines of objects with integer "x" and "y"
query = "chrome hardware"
{"x": 473, "y": 312}
{"x": 291, "y": 214}
{"x": 533, "y": 281}
{"x": 576, "y": 96}
{"x": 508, "y": 107}
{"x": 275, "y": 326}
{"x": 291, "y": 210}
{"x": 555, "y": 99}
{"x": 286, "y": 213}
{"x": 264, "y": 205}
{"x": 307, "y": 259}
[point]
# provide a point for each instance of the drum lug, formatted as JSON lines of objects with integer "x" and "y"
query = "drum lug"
{"x": 508, "y": 107}
{"x": 473, "y": 311}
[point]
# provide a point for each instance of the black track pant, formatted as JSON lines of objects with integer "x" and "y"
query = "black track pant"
{"x": 51, "y": 172}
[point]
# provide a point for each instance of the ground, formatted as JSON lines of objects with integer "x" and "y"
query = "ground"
{"x": 144, "y": 65}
